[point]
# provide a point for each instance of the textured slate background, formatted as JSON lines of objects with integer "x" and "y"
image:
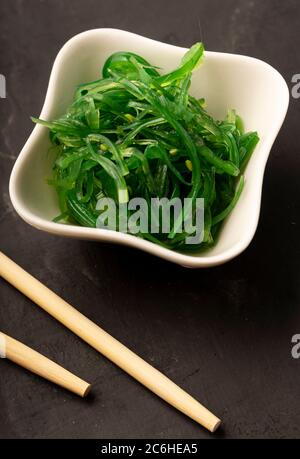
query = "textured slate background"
{"x": 223, "y": 334}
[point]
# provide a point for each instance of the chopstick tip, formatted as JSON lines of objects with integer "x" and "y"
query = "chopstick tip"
{"x": 87, "y": 390}
{"x": 216, "y": 426}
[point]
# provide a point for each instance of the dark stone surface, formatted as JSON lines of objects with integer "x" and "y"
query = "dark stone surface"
{"x": 223, "y": 334}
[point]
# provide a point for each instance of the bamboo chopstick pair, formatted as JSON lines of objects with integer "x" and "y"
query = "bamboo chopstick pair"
{"x": 99, "y": 340}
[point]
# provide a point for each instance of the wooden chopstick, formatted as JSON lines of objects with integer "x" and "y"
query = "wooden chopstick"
{"x": 41, "y": 365}
{"x": 106, "y": 344}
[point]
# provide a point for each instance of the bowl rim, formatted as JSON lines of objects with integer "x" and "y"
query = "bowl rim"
{"x": 186, "y": 260}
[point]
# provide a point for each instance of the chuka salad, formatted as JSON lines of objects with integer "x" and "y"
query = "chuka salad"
{"x": 137, "y": 133}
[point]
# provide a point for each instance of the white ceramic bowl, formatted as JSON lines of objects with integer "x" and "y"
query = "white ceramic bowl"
{"x": 255, "y": 89}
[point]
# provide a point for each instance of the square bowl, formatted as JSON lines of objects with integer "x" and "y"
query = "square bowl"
{"x": 252, "y": 87}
